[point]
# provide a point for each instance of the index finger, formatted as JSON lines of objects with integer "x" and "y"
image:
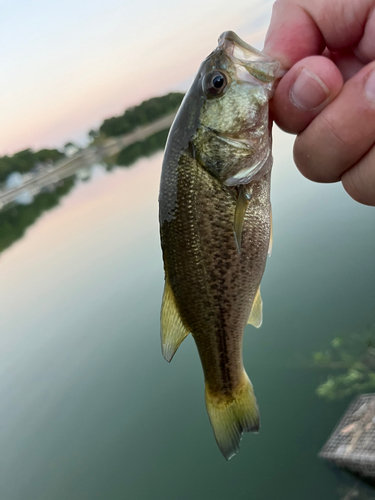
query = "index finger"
{"x": 302, "y": 28}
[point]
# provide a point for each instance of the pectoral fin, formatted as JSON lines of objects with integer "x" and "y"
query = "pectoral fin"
{"x": 243, "y": 201}
{"x": 172, "y": 329}
{"x": 256, "y": 315}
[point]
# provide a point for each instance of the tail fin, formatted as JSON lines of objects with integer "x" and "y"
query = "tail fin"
{"x": 231, "y": 417}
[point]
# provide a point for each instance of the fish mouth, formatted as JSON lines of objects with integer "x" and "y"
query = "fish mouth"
{"x": 259, "y": 65}
{"x": 235, "y": 47}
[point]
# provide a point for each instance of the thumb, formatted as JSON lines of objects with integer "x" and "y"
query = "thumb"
{"x": 307, "y": 88}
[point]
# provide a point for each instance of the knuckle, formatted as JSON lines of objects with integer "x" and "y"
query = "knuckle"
{"x": 304, "y": 158}
{"x": 332, "y": 133}
{"x": 322, "y": 151}
{"x": 357, "y": 182}
{"x": 317, "y": 151}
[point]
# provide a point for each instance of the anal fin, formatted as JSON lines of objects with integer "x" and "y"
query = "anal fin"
{"x": 172, "y": 329}
{"x": 256, "y": 315}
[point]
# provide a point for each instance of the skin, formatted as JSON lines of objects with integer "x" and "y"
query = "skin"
{"x": 332, "y": 41}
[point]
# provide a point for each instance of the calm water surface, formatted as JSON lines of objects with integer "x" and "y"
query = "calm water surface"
{"x": 90, "y": 409}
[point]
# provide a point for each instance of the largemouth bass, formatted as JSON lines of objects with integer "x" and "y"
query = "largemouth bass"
{"x": 215, "y": 226}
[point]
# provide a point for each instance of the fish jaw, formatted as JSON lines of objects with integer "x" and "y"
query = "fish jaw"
{"x": 259, "y": 65}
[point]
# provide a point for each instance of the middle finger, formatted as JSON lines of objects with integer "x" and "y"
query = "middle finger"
{"x": 342, "y": 133}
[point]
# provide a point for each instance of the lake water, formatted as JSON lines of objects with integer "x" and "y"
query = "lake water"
{"x": 90, "y": 409}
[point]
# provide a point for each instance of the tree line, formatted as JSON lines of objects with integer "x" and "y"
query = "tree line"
{"x": 26, "y": 160}
{"x": 146, "y": 112}
{"x": 15, "y": 219}
{"x": 143, "y": 114}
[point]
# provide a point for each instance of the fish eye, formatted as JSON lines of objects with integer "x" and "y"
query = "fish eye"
{"x": 215, "y": 83}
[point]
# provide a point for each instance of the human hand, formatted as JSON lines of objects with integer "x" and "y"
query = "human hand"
{"x": 327, "y": 96}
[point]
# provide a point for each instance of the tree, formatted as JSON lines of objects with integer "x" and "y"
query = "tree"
{"x": 146, "y": 112}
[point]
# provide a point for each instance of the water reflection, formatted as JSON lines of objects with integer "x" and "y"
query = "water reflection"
{"x": 357, "y": 492}
{"x": 352, "y": 487}
{"x": 16, "y": 218}
{"x": 147, "y": 147}
{"x": 350, "y": 360}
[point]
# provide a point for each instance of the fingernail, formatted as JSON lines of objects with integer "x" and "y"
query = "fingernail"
{"x": 308, "y": 91}
{"x": 370, "y": 87}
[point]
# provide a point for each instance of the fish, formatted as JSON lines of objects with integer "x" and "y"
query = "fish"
{"x": 215, "y": 226}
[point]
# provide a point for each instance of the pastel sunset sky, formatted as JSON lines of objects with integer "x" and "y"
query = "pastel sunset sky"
{"x": 67, "y": 65}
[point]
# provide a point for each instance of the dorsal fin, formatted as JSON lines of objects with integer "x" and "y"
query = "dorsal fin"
{"x": 172, "y": 329}
{"x": 243, "y": 201}
{"x": 256, "y": 315}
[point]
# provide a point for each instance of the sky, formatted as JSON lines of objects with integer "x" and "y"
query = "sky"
{"x": 69, "y": 64}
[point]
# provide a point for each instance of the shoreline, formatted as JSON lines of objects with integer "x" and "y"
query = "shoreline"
{"x": 85, "y": 158}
